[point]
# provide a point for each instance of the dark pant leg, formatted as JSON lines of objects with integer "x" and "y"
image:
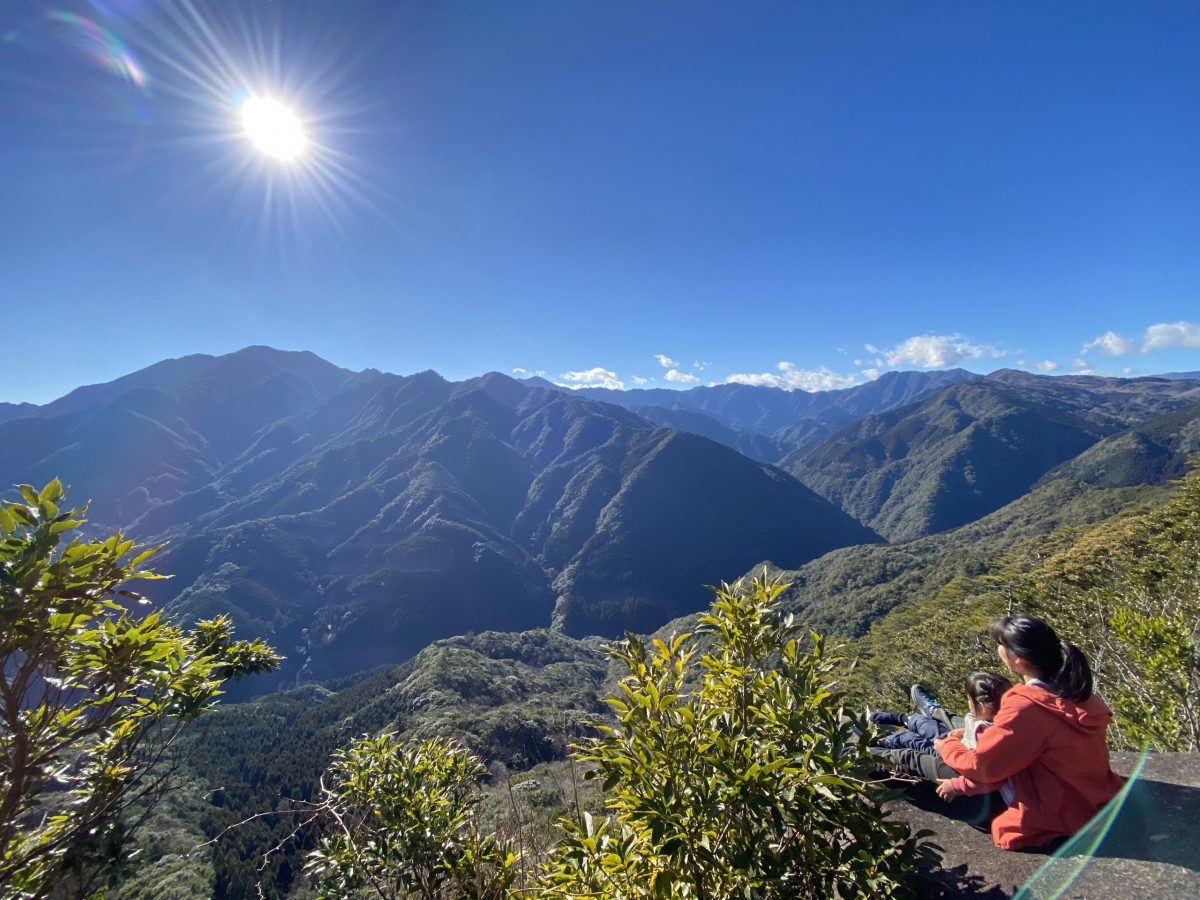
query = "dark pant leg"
{"x": 913, "y": 762}
{"x": 888, "y": 718}
{"x": 946, "y": 721}
{"x": 928, "y": 727}
{"x": 975, "y": 811}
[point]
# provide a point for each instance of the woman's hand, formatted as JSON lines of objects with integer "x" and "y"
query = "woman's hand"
{"x": 945, "y": 790}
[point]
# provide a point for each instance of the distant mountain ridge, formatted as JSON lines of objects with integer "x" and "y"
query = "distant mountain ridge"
{"x": 766, "y": 410}
{"x": 353, "y": 518}
{"x": 973, "y": 447}
{"x": 164, "y": 431}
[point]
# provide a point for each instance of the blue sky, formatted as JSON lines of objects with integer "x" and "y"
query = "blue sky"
{"x": 792, "y": 193}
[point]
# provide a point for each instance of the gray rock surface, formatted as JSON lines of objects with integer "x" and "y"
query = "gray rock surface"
{"x": 1152, "y": 848}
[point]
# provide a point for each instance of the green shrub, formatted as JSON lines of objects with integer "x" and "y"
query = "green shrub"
{"x": 401, "y": 822}
{"x": 753, "y": 785}
{"x": 94, "y": 698}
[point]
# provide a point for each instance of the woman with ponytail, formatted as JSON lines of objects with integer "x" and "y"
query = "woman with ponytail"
{"x": 1048, "y": 739}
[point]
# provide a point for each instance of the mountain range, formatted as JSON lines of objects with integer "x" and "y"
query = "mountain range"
{"x": 973, "y": 447}
{"x": 771, "y": 410}
{"x": 354, "y": 517}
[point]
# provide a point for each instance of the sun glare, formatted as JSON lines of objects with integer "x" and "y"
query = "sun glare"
{"x": 273, "y": 128}
{"x": 258, "y": 118}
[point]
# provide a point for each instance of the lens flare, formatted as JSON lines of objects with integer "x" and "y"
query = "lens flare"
{"x": 105, "y": 49}
{"x": 165, "y": 85}
{"x": 272, "y": 127}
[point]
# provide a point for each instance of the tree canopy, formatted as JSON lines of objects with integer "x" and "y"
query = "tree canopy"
{"x": 92, "y": 695}
{"x": 733, "y": 772}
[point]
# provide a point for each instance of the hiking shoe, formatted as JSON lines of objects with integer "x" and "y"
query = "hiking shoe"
{"x": 922, "y": 701}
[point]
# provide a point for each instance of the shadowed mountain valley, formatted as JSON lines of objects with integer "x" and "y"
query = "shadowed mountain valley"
{"x": 353, "y": 518}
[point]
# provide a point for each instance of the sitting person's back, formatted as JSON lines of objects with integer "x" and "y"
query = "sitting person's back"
{"x": 1048, "y": 740}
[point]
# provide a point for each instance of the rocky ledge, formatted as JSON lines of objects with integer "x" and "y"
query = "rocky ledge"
{"x": 1151, "y": 849}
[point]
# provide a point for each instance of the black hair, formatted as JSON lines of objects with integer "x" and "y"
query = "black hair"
{"x": 986, "y": 688}
{"x": 1058, "y": 663}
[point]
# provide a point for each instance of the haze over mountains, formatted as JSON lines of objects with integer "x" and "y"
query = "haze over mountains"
{"x": 354, "y": 517}
{"x": 771, "y": 410}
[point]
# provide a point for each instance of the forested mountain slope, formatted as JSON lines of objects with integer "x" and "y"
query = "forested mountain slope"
{"x": 515, "y": 699}
{"x": 163, "y": 432}
{"x": 973, "y": 447}
{"x": 1150, "y": 453}
{"x": 762, "y": 447}
{"x": 353, "y": 518}
{"x": 847, "y": 590}
{"x": 1112, "y": 403}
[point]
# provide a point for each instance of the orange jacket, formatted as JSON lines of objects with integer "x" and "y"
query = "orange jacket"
{"x": 1055, "y": 753}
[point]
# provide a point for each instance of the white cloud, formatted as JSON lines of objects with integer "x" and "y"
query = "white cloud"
{"x": 790, "y": 378}
{"x": 519, "y": 372}
{"x": 1160, "y": 336}
{"x": 1111, "y": 343}
{"x": 933, "y": 351}
{"x": 638, "y": 380}
{"x": 700, "y": 366}
{"x": 526, "y": 373}
{"x": 665, "y": 361}
{"x": 591, "y": 378}
{"x": 674, "y": 375}
{"x": 870, "y": 374}
{"x": 1174, "y": 334}
{"x": 1046, "y": 365}
{"x": 1081, "y": 367}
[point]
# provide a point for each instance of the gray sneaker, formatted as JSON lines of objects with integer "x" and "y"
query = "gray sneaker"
{"x": 922, "y": 701}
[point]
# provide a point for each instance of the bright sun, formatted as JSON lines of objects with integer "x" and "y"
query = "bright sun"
{"x": 273, "y": 128}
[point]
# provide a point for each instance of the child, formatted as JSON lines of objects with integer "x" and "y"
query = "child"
{"x": 912, "y": 751}
{"x": 984, "y": 690}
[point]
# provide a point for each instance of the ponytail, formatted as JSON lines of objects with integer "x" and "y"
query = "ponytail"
{"x": 1056, "y": 662}
{"x": 1074, "y": 679}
